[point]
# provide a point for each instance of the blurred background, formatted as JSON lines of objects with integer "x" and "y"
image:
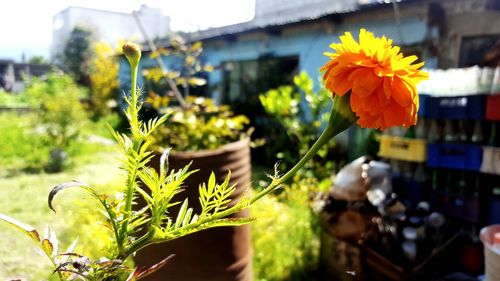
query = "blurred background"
{"x": 399, "y": 204}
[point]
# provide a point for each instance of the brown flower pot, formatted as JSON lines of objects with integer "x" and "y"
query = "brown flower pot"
{"x": 217, "y": 254}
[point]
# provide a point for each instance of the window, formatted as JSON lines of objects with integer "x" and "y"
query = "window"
{"x": 243, "y": 81}
{"x": 474, "y": 48}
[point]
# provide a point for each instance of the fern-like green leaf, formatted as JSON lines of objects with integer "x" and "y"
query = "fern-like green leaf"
{"x": 181, "y": 214}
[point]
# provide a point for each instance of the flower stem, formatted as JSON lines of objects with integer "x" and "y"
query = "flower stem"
{"x": 133, "y": 54}
{"x": 341, "y": 118}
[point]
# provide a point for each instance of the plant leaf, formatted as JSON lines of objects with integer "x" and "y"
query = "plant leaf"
{"x": 72, "y": 247}
{"x": 25, "y": 228}
{"x": 65, "y": 185}
{"x": 226, "y": 222}
{"x": 164, "y": 162}
{"x": 47, "y": 247}
{"x": 141, "y": 272}
{"x": 181, "y": 214}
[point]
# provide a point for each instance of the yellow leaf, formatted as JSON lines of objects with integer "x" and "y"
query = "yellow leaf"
{"x": 196, "y": 46}
{"x": 190, "y": 60}
{"x": 208, "y": 68}
{"x": 194, "y": 81}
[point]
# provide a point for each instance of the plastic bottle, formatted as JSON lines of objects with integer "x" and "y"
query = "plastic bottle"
{"x": 435, "y": 132}
{"x": 462, "y": 131}
{"x": 494, "y": 140}
{"x": 477, "y": 133}
{"x": 450, "y": 132}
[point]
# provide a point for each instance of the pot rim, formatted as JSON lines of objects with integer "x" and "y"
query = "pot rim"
{"x": 226, "y": 148}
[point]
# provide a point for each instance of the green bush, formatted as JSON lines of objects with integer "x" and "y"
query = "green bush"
{"x": 9, "y": 100}
{"x": 286, "y": 234}
{"x": 20, "y": 145}
{"x": 57, "y": 120}
{"x": 24, "y": 147}
{"x": 202, "y": 126}
{"x": 299, "y": 127}
{"x": 61, "y": 115}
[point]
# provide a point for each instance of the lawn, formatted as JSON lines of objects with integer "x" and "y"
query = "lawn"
{"x": 24, "y": 197}
{"x": 24, "y": 187}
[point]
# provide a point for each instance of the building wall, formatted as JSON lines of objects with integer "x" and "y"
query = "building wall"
{"x": 308, "y": 44}
{"x": 106, "y": 25}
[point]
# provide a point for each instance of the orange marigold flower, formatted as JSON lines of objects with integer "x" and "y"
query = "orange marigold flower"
{"x": 381, "y": 80}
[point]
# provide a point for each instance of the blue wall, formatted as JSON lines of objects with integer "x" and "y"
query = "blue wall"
{"x": 308, "y": 46}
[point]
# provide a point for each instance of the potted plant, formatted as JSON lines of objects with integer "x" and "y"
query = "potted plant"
{"x": 211, "y": 139}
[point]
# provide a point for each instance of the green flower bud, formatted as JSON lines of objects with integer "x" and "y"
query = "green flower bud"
{"x": 132, "y": 51}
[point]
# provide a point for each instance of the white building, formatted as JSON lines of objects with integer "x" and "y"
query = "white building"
{"x": 106, "y": 25}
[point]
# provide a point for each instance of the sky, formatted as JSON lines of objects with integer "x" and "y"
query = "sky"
{"x": 26, "y": 25}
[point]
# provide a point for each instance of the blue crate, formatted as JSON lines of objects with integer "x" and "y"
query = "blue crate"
{"x": 462, "y": 107}
{"x": 494, "y": 211}
{"x": 454, "y": 156}
{"x": 422, "y": 109}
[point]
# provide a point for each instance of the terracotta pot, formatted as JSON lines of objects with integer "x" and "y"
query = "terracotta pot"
{"x": 217, "y": 254}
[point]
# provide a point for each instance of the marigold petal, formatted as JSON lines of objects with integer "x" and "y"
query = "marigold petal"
{"x": 394, "y": 115}
{"x": 349, "y": 59}
{"x": 364, "y": 81}
{"x": 341, "y": 84}
{"x": 401, "y": 93}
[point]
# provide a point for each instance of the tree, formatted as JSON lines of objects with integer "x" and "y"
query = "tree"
{"x": 76, "y": 54}
{"x": 38, "y": 60}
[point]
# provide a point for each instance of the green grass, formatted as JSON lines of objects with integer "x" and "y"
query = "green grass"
{"x": 24, "y": 197}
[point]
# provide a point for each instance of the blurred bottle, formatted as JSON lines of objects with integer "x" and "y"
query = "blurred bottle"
{"x": 435, "y": 133}
{"x": 450, "y": 131}
{"x": 494, "y": 139}
{"x": 395, "y": 167}
{"x": 477, "y": 133}
{"x": 420, "y": 174}
{"x": 461, "y": 183}
{"x": 462, "y": 131}
{"x": 421, "y": 129}
{"x": 407, "y": 170}
{"x": 434, "y": 180}
{"x": 476, "y": 187}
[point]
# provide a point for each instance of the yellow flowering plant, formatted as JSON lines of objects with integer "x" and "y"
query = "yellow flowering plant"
{"x": 198, "y": 123}
{"x": 371, "y": 72}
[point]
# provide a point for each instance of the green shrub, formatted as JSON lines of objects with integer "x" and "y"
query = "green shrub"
{"x": 61, "y": 115}
{"x": 299, "y": 127}
{"x": 20, "y": 145}
{"x": 11, "y": 101}
{"x": 202, "y": 126}
{"x": 285, "y": 234}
